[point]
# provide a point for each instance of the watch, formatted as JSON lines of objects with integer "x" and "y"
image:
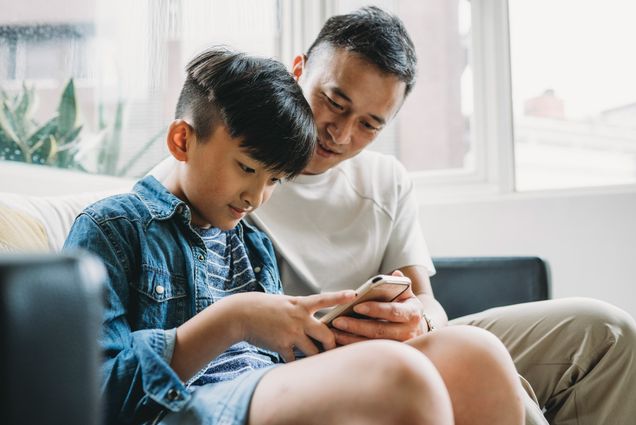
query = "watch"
{"x": 429, "y": 322}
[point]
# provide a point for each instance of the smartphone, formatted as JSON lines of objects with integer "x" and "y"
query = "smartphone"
{"x": 379, "y": 288}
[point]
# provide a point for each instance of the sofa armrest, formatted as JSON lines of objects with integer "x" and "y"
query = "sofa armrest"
{"x": 50, "y": 320}
{"x": 466, "y": 285}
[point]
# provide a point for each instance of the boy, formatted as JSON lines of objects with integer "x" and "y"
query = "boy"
{"x": 195, "y": 324}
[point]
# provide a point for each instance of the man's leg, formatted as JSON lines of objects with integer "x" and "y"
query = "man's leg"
{"x": 578, "y": 354}
{"x": 534, "y": 413}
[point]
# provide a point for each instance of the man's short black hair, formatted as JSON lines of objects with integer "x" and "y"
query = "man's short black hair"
{"x": 258, "y": 101}
{"x": 377, "y": 36}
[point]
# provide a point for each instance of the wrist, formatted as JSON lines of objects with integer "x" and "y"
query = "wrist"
{"x": 236, "y": 312}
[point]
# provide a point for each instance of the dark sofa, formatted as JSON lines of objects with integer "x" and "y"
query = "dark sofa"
{"x": 50, "y": 314}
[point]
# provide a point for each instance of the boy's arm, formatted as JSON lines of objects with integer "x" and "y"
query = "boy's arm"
{"x": 142, "y": 369}
{"x": 136, "y": 375}
{"x": 278, "y": 323}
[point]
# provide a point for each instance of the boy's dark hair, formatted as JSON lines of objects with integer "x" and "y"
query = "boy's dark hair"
{"x": 257, "y": 99}
{"x": 376, "y": 35}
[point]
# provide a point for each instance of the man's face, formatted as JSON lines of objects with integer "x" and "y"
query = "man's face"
{"x": 352, "y": 101}
{"x": 220, "y": 182}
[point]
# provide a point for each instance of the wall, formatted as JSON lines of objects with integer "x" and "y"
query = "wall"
{"x": 587, "y": 237}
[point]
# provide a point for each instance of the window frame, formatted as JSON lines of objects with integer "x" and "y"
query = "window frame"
{"x": 492, "y": 126}
{"x": 492, "y": 120}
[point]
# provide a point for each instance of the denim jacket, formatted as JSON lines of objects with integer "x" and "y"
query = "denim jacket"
{"x": 156, "y": 267}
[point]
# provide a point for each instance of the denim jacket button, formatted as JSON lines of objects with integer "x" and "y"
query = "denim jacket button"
{"x": 257, "y": 269}
{"x": 159, "y": 289}
{"x": 173, "y": 394}
{"x": 201, "y": 257}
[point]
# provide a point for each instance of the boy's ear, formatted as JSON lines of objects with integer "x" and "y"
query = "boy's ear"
{"x": 179, "y": 135}
{"x": 298, "y": 66}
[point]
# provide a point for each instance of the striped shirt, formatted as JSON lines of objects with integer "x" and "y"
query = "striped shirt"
{"x": 228, "y": 272}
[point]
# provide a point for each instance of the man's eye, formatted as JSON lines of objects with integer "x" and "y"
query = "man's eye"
{"x": 334, "y": 103}
{"x": 246, "y": 169}
{"x": 369, "y": 126}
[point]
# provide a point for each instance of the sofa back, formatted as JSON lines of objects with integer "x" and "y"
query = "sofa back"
{"x": 41, "y": 223}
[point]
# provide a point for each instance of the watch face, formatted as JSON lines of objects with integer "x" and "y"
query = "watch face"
{"x": 429, "y": 323}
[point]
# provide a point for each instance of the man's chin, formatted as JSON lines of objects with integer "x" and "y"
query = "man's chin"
{"x": 319, "y": 166}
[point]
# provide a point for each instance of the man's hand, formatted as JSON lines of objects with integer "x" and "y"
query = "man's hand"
{"x": 280, "y": 322}
{"x": 399, "y": 320}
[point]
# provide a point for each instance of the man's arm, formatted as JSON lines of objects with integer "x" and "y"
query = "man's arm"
{"x": 400, "y": 320}
{"x": 421, "y": 284}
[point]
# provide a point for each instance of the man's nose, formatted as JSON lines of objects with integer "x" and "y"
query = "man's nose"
{"x": 340, "y": 131}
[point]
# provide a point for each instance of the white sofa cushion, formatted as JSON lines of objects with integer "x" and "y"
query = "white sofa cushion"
{"x": 55, "y": 213}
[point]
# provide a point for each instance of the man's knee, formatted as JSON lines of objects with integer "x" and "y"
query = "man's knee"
{"x": 472, "y": 346}
{"x": 605, "y": 320}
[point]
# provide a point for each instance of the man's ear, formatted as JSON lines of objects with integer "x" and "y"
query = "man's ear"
{"x": 179, "y": 135}
{"x": 298, "y": 66}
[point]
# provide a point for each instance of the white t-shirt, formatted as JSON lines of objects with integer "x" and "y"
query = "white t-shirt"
{"x": 334, "y": 230}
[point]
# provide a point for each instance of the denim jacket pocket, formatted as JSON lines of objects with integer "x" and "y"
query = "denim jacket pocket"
{"x": 162, "y": 298}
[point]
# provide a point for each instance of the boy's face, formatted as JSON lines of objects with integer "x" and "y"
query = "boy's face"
{"x": 352, "y": 101}
{"x": 220, "y": 182}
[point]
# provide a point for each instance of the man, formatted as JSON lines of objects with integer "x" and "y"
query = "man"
{"x": 352, "y": 214}
{"x": 195, "y": 294}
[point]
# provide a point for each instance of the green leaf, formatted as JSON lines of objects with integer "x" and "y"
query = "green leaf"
{"x": 33, "y": 103}
{"x": 101, "y": 121}
{"x": 40, "y": 149}
{"x": 5, "y": 124}
{"x": 23, "y": 102}
{"x": 20, "y": 114}
{"x": 110, "y": 151}
{"x": 51, "y": 158}
{"x": 71, "y": 136}
{"x": 67, "y": 110}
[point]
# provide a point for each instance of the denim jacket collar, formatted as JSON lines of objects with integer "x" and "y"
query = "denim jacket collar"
{"x": 161, "y": 203}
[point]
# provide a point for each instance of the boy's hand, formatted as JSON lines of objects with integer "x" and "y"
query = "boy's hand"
{"x": 280, "y": 322}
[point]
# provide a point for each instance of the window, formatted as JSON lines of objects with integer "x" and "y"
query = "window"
{"x": 511, "y": 95}
{"x": 39, "y": 51}
{"x": 92, "y": 84}
{"x": 574, "y": 92}
{"x": 433, "y": 130}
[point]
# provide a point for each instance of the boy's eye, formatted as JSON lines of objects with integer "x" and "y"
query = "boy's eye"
{"x": 277, "y": 180}
{"x": 246, "y": 169}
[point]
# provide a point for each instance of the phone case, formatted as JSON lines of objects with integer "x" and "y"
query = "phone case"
{"x": 379, "y": 288}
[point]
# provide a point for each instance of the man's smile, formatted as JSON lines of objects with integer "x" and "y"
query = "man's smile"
{"x": 324, "y": 150}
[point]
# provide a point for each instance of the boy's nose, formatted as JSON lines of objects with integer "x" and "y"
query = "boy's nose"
{"x": 253, "y": 197}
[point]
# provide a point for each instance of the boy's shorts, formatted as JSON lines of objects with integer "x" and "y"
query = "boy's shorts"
{"x": 223, "y": 403}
